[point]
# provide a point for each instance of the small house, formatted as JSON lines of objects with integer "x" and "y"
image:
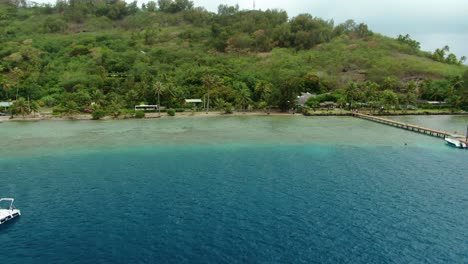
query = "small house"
{"x": 5, "y": 105}
{"x": 193, "y": 101}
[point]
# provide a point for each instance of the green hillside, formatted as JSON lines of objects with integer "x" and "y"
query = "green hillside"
{"x": 112, "y": 55}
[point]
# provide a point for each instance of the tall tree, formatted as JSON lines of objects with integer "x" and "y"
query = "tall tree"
{"x": 3, "y": 85}
{"x": 452, "y": 59}
{"x": 158, "y": 90}
{"x": 164, "y": 5}
{"x": 389, "y": 99}
{"x": 371, "y": 94}
{"x": 446, "y": 48}
{"x": 70, "y": 108}
{"x": 263, "y": 92}
{"x": 464, "y": 91}
{"x": 462, "y": 60}
{"x": 151, "y": 6}
{"x": 286, "y": 92}
{"x": 243, "y": 98}
{"x": 33, "y": 107}
{"x": 410, "y": 94}
{"x": 352, "y": 93}
{"x": 210, "y": 82}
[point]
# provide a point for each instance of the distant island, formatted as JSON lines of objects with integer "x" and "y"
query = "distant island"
{"x": 103, "y": 58}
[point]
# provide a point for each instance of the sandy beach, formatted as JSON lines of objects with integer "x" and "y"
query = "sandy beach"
{"x": 39, "y": 117}
{"x": 49, "y": 116}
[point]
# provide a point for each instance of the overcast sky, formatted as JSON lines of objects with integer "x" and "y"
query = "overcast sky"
{"x": 434, "y": 23}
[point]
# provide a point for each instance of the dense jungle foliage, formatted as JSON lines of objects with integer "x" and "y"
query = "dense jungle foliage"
{"x": 109, "y": 55}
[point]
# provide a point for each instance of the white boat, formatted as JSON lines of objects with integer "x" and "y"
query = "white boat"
{"x": 9, "y": 213}
{"x": 453, "y": 140}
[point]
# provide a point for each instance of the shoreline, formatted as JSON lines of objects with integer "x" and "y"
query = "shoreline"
{"x": 88, "y": 117}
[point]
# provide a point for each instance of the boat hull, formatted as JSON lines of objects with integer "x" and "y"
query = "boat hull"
{"x": 8, "y": 215}
{"x": 455, "y": 143}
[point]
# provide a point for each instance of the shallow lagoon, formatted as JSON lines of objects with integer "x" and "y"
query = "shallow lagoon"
{"x": 232, "y": 189}
{"x": 62, "y": 137}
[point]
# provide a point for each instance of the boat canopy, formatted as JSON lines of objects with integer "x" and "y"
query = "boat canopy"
{"x": 11, "y": 200}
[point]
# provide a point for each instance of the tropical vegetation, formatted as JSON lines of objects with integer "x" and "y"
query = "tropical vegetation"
{"x": 109, "y": 55}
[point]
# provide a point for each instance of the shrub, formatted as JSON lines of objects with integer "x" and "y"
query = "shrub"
{"x": 171, "y": 112}
{"x": 228, "y": 108}
{"x": 58, "y": 110}
{"x": 54, "y": 25}
{"x": 98, "y": 114}
{"x": 49, "y": 101}
{"x": 79, "y": 50}
{"x": 127, "y": 113}
{"x": 139, "y": 114}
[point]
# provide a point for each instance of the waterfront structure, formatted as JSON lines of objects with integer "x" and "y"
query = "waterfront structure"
{"x": 419, "y": 129}
{"x": 302, "y": 99}
{"x": 5, "y": 105}
{"x": 146, "y": 107}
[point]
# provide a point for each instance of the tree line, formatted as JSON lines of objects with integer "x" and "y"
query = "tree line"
{"x": 393, "y": 94}
{"x": 109, "y": 55}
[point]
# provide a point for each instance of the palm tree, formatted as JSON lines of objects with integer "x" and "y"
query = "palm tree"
{"x": 263, "y": 90}
{"x": 21, "y": 106}
{"x": 3, "y": 83}
{"x": 446, "y": 48}
{"x": 34, "y": 107}
{"x": 159, "y": 89}
{"x": 70, "y": 107}
{"x": 457, "y": 82}
{"x": 439, "y": 55}
{"x": 342, "y": 103}
{"x": 176, "y": 92}
{"x": 436, "y": 93}
{"x": 16, "y": 75}
{"x": 210, "y": 82}
{"x": 114, "y": 109}
{"x": 243, "y": 98}
{"x": 462, "y": 59}
{"x": 390, "y": 99}
{"x": 351, "y": 93}
{"x": 219, "y": 103}
{"x": 98, "y": 98}
{"x": 370, "y": 93}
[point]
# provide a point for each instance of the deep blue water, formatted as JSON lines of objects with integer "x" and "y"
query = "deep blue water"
{"x": 239, "y": 204}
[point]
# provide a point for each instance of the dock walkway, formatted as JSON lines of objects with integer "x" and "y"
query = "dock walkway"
{"x": 414, "y": 128}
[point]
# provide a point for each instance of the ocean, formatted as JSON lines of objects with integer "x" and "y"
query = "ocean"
{"x": 232, "y": 190}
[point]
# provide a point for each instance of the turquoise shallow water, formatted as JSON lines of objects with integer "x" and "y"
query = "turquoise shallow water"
{"x": 232, "y": 190}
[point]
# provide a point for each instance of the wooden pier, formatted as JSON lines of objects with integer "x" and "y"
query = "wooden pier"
{"x": 414, "y": 128}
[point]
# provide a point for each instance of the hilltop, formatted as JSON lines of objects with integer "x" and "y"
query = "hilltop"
{"x": 113, "y": 55}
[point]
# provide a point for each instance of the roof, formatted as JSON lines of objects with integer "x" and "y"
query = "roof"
{"x": 193, "y": 100}
{"x": 302, "y": 99}
{"x": 5, "y": 104}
